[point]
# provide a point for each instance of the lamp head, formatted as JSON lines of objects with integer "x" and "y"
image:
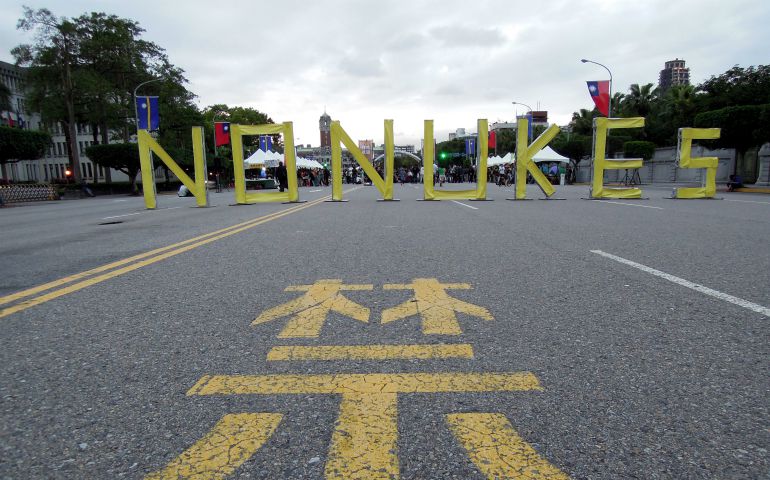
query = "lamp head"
{"x": 583, "y": 60}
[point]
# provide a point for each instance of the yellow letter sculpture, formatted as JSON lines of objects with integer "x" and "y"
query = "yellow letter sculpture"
{"x": 684, "y": 160}
{"x": 385, "y": 186}
{"x": 524, "y": 155}
{"x": 287, "y": 130}
{"x": 480, "y": 193}
{"x": 601, "y": 126}
{"x": 148, "y": 145}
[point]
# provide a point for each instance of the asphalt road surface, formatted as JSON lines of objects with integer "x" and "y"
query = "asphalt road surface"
{"x": 417, "y": 340}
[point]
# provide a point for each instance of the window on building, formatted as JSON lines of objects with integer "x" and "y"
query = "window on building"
{"x": 90, "y": 171}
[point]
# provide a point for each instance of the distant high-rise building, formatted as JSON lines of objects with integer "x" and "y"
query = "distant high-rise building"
{"x": 325, "y": 125}
{"x": 674, "y": 73}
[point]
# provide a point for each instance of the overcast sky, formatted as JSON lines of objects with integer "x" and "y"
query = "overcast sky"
{"x": 449, "y": 61}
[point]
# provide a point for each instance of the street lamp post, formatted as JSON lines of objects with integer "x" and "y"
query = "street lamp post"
{"x": 530, "y": 112}
{"x": 609, "y": 104}
{"x": 136, "y": 110}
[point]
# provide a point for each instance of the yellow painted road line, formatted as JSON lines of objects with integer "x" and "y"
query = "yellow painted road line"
{"x": 497, "y": 450}
{"x": 232, "y": 441}
{"x": 364, "y": 442}
{"x": 103, "y": 268}
{"x": 370, "y": 352}
{"x": 311, "y": 309}
{"x": 189, "y": 246}
{"x": 364, "y": 383}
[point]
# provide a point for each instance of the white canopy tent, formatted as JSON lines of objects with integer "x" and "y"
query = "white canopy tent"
{"x": 548, "y": 155}
{"x": 270, "y": 159}
{"x": 497, "y": 160}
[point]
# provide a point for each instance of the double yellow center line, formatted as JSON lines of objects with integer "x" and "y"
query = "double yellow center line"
{"x": 111, "y": 270}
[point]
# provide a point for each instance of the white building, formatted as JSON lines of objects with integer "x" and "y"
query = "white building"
{"x": 56, "y": 160}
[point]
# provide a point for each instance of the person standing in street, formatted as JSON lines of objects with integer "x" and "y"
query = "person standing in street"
{"x": 283, "y": 179}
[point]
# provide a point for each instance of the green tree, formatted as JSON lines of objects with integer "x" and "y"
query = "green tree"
{"x": 737, "y": 86}
{"x": 53, "y": 61}
{"x": 17, "y": 144}
{"x": 743, "y": 127}
{"x": 639, "y": 149}
{"x": 639, "y": 100}
{"x": 120, "y": 156}
{"x": 583, "y": 121}
{"x": 114, "y": 60}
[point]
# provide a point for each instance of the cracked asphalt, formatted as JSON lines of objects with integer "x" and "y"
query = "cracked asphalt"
{"x": 637, "y": 377}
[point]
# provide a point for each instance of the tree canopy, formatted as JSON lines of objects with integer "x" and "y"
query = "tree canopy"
{"x": 17, "y": 144}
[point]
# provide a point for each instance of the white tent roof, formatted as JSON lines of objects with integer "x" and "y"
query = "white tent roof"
{"x": 548, "y": 155}
{"x": 497, "y": 160}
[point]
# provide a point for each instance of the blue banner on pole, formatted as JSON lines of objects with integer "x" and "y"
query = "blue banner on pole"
{"x": 265, "y": 143}
{"x": 470, "y": 146}
{"x": 148, "y": 114}
{"x": 529, "y": 121}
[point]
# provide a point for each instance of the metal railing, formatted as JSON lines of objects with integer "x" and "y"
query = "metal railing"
{"x": 17, "y": 193}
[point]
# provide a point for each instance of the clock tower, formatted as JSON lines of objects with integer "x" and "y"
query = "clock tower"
{"x": 325, "y": 125}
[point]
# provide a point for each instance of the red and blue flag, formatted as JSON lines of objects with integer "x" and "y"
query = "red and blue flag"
{"x": 600, "y": 93}
{"x": 221, "y": 133}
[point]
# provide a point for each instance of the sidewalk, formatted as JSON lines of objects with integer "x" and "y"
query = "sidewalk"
{"x": 668, "y": 186}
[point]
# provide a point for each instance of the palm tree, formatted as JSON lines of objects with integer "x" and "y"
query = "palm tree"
{"x": 583, "y": 121}
{"x": 639, "y": 101}
{"x": 617, "y": 101}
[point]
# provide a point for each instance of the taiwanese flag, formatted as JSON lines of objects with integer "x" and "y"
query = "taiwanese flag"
{"x": 600, "y": 92}
{"x": 221, "y": 133}
{"x": 492, "y": 139}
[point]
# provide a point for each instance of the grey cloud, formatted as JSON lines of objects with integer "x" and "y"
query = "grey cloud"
{"x": 361, "y": 66}
{"x": 462, "y": 36}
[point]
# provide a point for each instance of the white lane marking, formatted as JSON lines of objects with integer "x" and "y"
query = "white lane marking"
{"x": 629, "y": 204}
{"x": 464, "y": 205}
{"x": 120, "y": 200}
{"x": 686, "y": 283}
{"x": 747, "y": 201}
{"x": 314, "y": 191}
{"x": 138, "y": 213}
{"x": 119, "y": 216}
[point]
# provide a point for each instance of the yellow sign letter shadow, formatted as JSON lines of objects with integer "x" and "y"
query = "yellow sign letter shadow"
{"x": 385, "y": 186}
{"x": 524, "y": 155}
{"x": 601, "y": 126}
{"x": 287, "y": 130}
{"x": 685, "y": 160}
{"x": 480, "y": 193}
{"x": 148, "y": 145}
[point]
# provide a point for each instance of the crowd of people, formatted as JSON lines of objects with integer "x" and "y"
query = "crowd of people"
{"x": 503, "y": 175}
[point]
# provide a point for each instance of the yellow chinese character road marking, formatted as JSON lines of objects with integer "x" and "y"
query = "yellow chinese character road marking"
{"x": 365, "y": 436}
{"x": 364, "y": 441}
{"x": 310, "y": 310}
{"x": 369, "y": 352}
{"x": 232, "y": 441}
{"x": 375, "y": 383}
{"x": 497, "y": 450}
{"x": 436, "y": 308}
